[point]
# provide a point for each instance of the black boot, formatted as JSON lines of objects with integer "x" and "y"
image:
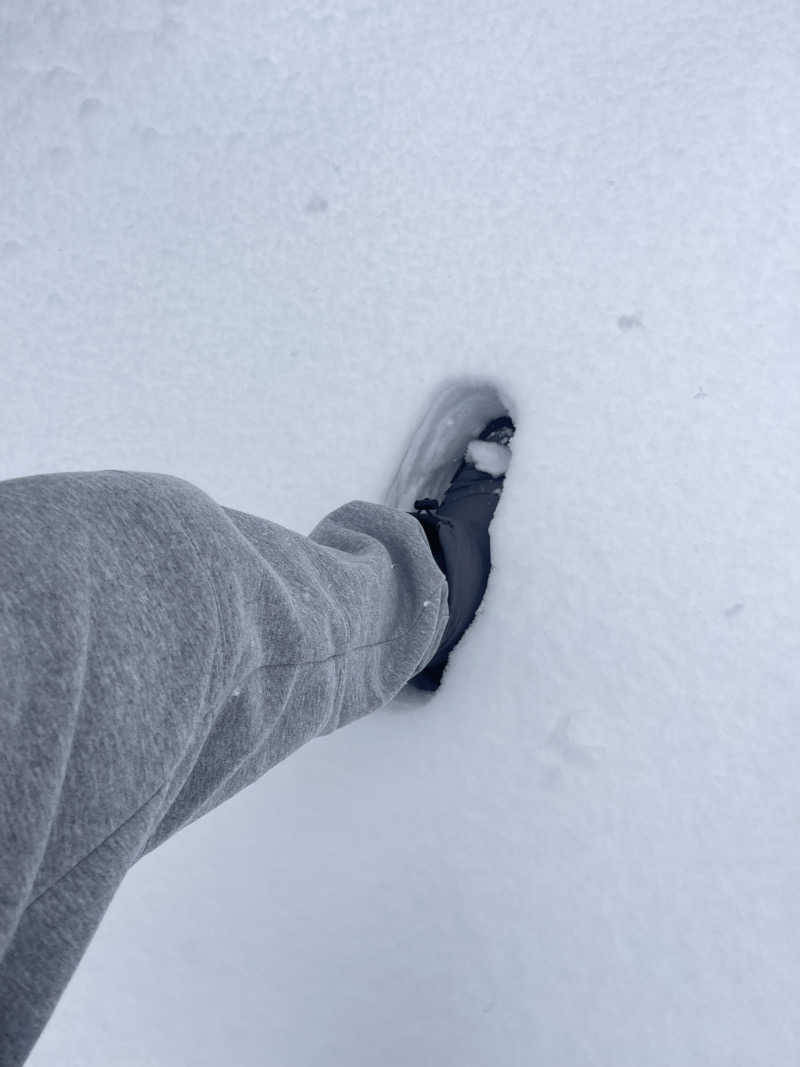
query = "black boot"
{"x": 458, "y": 535}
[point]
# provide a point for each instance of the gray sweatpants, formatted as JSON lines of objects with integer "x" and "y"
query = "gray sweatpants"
{"x": 158, "y": 653}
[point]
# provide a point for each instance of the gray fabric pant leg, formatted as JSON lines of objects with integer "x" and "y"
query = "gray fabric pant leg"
{"x": 158, "y": 653}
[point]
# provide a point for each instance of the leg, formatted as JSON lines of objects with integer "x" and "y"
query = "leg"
{"x": 158, "y": 653}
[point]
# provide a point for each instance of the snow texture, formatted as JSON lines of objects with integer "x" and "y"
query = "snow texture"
{"x": 242, "y": 243}
{"x": 489, "y": 457}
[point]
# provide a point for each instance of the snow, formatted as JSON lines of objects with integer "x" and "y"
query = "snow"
{"x": 489, "y": 457}
{"x": 243, "y": 243}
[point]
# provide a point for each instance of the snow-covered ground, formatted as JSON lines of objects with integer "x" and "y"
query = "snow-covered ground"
{"x": 242, "y": 243}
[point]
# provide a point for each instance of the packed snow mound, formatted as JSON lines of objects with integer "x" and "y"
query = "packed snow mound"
{"x": 489, "y": 457}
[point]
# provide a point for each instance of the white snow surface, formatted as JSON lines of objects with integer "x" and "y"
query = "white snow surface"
{"x": 242, "y": 243}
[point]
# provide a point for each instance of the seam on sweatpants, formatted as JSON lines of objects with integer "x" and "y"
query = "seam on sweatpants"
{"x": 100, "y": 844}
{"x": 347, "y": 651}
